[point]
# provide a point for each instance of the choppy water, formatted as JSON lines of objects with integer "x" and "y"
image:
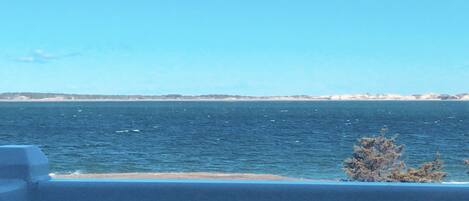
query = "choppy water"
{"x": 297, "y": 139}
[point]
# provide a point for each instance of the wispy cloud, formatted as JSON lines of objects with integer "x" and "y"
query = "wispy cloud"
{"x": 41, "y": 56}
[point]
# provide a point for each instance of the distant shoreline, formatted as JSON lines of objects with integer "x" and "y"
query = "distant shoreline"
{"x": 178, "y": 175}
{"x": 60, "y": 97}
{"x": 224, "y": 100}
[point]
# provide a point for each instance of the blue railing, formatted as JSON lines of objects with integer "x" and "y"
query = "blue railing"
{"x": 24, "y": 177}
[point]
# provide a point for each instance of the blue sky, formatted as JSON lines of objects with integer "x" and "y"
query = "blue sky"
{"x": 262, "y": 47}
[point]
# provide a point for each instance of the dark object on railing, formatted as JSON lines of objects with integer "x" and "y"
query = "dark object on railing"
{"x": 467, "y": 163}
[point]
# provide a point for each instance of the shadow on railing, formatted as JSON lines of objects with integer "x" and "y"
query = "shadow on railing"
{"x": 24, "y": 177}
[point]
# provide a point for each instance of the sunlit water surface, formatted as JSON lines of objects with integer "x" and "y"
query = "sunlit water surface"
{"x": 296, "y": 139}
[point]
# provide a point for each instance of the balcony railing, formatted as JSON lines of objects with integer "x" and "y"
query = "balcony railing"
{"x": 24, "y": 176}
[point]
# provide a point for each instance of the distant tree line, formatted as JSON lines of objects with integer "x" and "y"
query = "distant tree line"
{"x": 63, "y": 96}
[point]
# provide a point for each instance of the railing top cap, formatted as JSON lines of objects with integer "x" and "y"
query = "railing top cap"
{"x": 25, "y": 162}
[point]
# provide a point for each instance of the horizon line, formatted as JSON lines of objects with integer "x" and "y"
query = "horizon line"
{"x": 227, "y": 94}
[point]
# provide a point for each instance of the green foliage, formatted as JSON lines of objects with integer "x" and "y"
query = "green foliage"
{"x": 378, "y": 159}
{"x": 428, "y": 172}
{"x": 374, "y": 159}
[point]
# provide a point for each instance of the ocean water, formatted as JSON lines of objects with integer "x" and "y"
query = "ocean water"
{"x": 296, "y": 139}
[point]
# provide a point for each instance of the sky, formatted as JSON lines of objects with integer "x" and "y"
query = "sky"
{"x": 244, "y": 47}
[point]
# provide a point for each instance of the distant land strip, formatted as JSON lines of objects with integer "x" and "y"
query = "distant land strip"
{"x": 33, "y": 96}
{"x": 178, "y": 175}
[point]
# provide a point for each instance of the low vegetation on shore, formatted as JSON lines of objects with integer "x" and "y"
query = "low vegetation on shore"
{"x": 431, "y": 171}
{"x": 378, "y": 159}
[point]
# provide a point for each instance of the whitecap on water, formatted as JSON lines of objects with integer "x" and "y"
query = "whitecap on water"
{"x": 126, "y": 131}
{"x": 77, "y": 172}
